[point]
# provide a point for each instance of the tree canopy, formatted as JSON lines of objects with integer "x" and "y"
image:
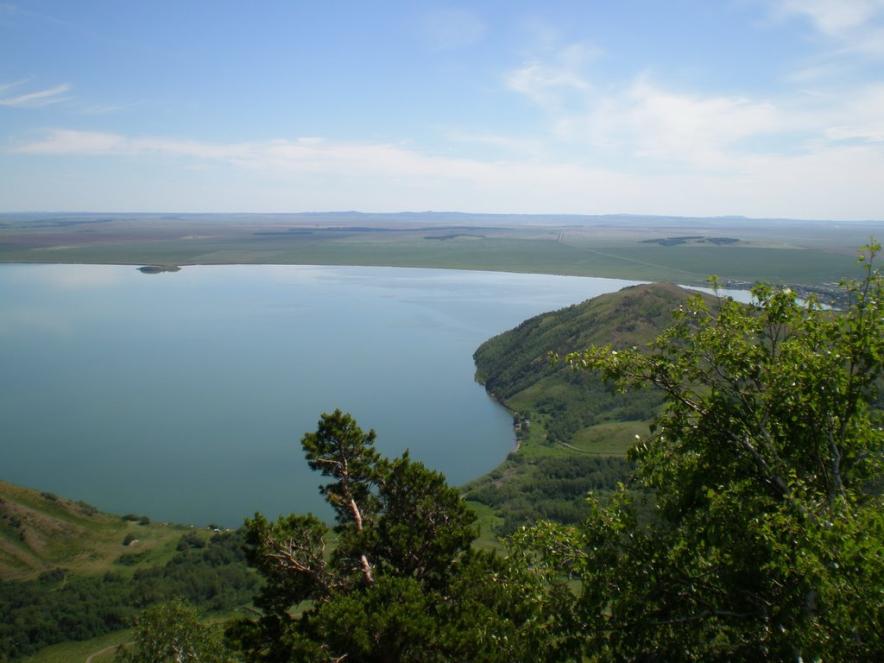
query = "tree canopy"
{"x": 765, "y": 467}
{"x": 172, "y": 633}
{"x": 395, "y": 579}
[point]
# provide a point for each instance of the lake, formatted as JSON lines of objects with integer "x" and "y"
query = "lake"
{"x": 183, "y": 396}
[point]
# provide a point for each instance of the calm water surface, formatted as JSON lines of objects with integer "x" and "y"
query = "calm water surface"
{"x": 184, "y": 395}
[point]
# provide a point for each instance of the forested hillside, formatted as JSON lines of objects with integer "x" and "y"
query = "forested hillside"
{"x": 573, "y": 428}
{"x": 71, "y": 572}
{"x": 516, "y": 368}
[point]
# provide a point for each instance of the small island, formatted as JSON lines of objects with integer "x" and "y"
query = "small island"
{"x": 158, "y": 269}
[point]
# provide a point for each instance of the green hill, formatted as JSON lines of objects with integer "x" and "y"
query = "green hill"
{"x": 573, "y": 430}
{"x": 575, "y": 407}
{"x": 40, "y": 531}
{"x": 69, "y": 572}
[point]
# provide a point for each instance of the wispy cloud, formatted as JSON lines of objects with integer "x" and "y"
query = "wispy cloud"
{"x": 9, "y": 86}
{"x": 647, "y": 121}
{"x": 36, "y": 98}
{"x": 99, "y": 109}
{"x": 307, "y": 154}
{"x": 834, "y": 17}
{"x": 553, "y": 81}
{"x": 853, "y": 25}
{"x": 651, "y": 125}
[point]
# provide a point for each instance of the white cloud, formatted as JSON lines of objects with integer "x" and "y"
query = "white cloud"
{"x": 864, "y": 121}
{"x": 640, "y": 119}
{"x": 854, "y": 25}
{"x": 312, "y": 155}
{"x": 835, "y": 181}
{"x": 636, "y": 147}
{"x": 651, "y": 126}
{"x": 514, "y": 144}
{"x": 834, "y": 17}
{"x": 35, "y": 99}
{"x": 648, "y": 121}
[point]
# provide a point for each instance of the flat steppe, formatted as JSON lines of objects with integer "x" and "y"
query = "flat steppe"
{"x": 682, "y": 250}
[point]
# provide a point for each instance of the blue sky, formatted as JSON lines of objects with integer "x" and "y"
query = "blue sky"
{"x": 753, "y": 107}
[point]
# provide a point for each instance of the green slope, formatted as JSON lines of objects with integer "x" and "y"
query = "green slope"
{"x": 577, "y": 407}
{"x": 573, "y": 429}
{"x": 71, "y": 573}
{"x": 40, "y": 531}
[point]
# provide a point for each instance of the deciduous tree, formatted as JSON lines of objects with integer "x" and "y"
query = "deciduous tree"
{"x": 766, "y": 470}
{"x": 172, "y": 633}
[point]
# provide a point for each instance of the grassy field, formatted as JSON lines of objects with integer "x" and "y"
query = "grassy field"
{"x": 103, "y": 648}
{"x": 610, "y": 439}
{"x": 655, "y": 251}
{"x": 40, "y": 531}
{"x": 488, "y": 521}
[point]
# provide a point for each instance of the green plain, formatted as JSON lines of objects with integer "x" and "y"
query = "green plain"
{"x": 787, "y": 254}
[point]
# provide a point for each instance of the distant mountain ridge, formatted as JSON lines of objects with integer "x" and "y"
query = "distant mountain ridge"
{"x": 440, "y": 217}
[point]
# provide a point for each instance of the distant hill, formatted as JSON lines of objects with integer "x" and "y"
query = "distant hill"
{"x": 573, "y": 429}
{"x": 40, "y": 531}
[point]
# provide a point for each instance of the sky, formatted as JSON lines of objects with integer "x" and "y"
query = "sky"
{"x": 763, "y": 108}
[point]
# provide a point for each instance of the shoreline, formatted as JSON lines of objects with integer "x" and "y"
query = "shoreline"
{"x": 827, "y": 293}
{"x": 181, "y": 265}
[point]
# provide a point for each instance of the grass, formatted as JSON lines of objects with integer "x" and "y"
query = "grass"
{"x": 609, "y": 439}
{"x": 488, "y": 521}
{"x": 79, "y": 650}
{"x": 40, "y": 531}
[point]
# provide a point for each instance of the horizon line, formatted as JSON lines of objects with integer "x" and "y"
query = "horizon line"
{"x": 623, "y": 215}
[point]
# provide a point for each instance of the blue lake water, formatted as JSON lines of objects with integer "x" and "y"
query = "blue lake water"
{"x": 183, "y": 396}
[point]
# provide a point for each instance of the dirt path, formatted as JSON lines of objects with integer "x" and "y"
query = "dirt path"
{"x": 584, "y": 451}
{"x": 101, "y": 651}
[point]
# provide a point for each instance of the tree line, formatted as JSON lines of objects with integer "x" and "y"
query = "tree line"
{"x": 59, "y": 606}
